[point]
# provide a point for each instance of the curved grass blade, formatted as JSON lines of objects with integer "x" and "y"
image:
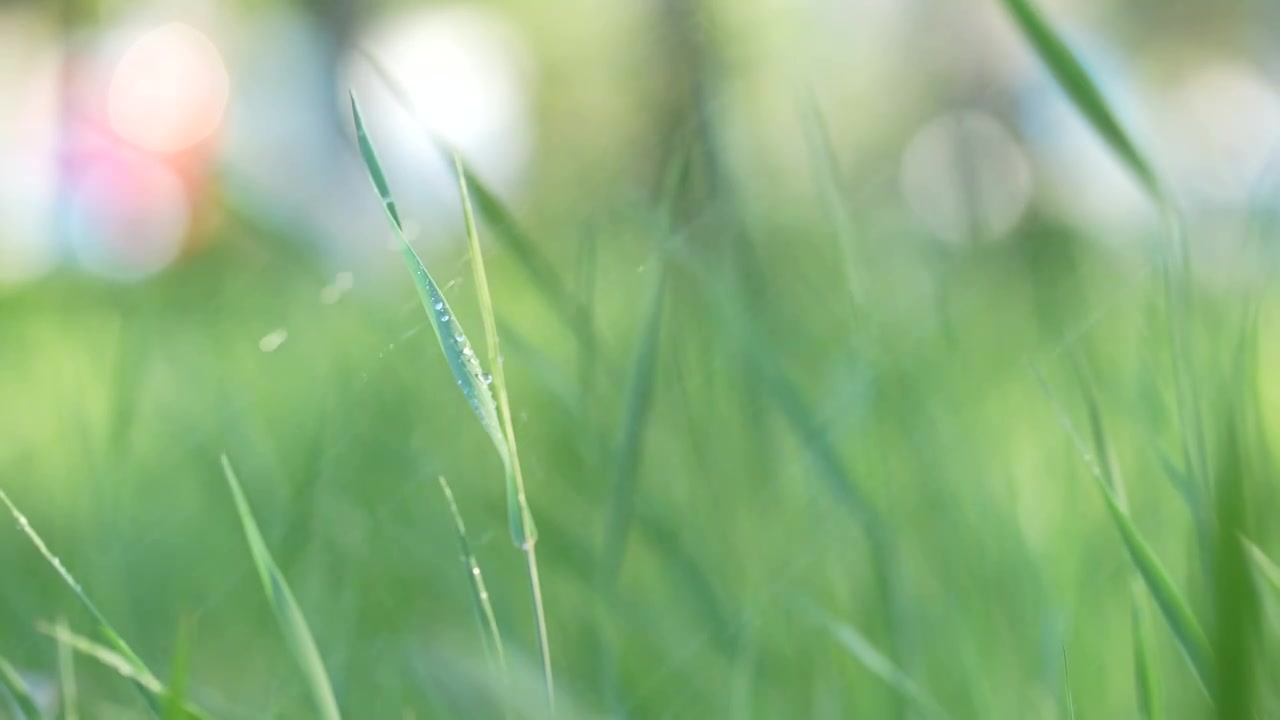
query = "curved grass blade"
{"x": 1084, "y": 93}
{"x": 485, "y": 617}
{"x": 877, "y": 663}
{"x": 1145, "y": 675}
{"x": 574, "y": 313}
{"x": 457, "y": 349}
{"x": 466, "y": 368}
{"x": 108, "y": 632}
{"x": 1177, "y": 613}
{"x": 155, "y": 690}
{"x": 177, "y": 696}
{"x": 288, "y": 615}
{"x": 524, "y": 532}
{"x": 23, "y": 699}
{"x": 631, "y": 437}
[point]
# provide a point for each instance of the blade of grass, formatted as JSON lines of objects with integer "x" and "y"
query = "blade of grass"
{"x": 823, "y": 158}
{"x": 574, "y": 314}
{"x": 877, "y": 663}
{"x": 177, "y": 697}
{"x": 67, "y": 677}
{"x": 485, "y": 617}
{"x": 23, "y": 699}
{"x": 469, "y": 375}
{"x": 1177, "y": 613}
{"x": 108, "y": 632}
{"x": 1235, "y": 603}
{"x": 1175, "y": 272}
{"x": 1066, "y": 686}
{"x": 293, "y": 626}
{"x": 109, "y": 658}
{"x": 1086, "y": 96}
{"x": 1146, "y": 678}
{"x": 635, "y": 419}
{"x": 526, "y": 533}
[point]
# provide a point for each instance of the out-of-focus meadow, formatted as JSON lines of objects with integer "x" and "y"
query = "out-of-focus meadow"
{"x": 858, "y": 368}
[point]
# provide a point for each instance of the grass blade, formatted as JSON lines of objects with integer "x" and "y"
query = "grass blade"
{"x": 631, "y": 438}
{"x": 289, "y": 616}
{"x": 1177, "y": 613}
{"x": 177, "y": 697}
{"x": 23, "y": 699}
{"x": 1084, "y": 93}
{"x": 466, "y": 368}
{"x": 1146, "y": 678}
{"x": 457, "y": 349}
{"x": 67, "y": 677}
{"x": 877, "y": 663}
{"x": 574, "y": 313}
{"x": 107, "y": 631}
{"x": 1066, "y": 686}
{"x": 485, "y": 617}
{"x": 155, "y": 691}
{"x": 524, "y": 532}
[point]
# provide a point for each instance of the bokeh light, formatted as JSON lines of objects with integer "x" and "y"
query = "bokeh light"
{"x": 966, "y": 178}
{"x": 169, "y": 90}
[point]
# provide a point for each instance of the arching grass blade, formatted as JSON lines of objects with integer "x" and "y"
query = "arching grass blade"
{"x": 293, "y": 626}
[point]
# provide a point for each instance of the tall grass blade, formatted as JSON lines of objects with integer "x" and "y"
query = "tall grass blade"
{"x": 105, "y": 628}
{"x": 1177, "y": 613}
{"x": 155, "y": 691}
{"x": 457, "y": 349}
{"x": 67, "y": 677}
{"x": 1146, "y": 677}
{"x": 293, "y": 626}
{"x": 15, "y": 687}
{"x": 635, "y": 419}
{"x": 485, "y": 617}
{"x": 546, "y": 280}
{"x": 177, "y": 696}
{"x": 524, "y": 532}
{"x": 466, "y": 368}
{"x": 1266, "y": 570}
{"x": 877, "y": 663}
{"x": 1091, "y": 103}
{"x": 823, "y": 157}
{"x": 1066, "y": 686}
{"x": 1084, "y": 93}
{"x": 1235, "y": 602}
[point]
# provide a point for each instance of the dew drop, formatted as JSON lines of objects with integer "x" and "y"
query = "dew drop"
{"x": 486, "y": 378}
{"x": 439, "y": 305}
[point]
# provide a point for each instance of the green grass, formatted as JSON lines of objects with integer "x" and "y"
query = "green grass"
{"x": 734, "y": 407}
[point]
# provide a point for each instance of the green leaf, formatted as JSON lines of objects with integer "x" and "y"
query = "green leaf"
{"x": 293, "y": 626}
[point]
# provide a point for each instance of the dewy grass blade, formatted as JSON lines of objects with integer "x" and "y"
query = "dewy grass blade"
{"x": 108, "y": 632}
{"x": 475, "y": 383}
{"x": 1176, "y": 611}
{"x": 155, "y": 691}
{"x": 573, "y": 312}
{"x": 293, "y": 626}
{"x": 23, "y": 699}
{"x": 457, "y": 349}
{"x": 485, "y": 617}
{"x": 524, "y": 532}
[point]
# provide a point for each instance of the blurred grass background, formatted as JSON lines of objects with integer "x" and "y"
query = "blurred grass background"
{"x": 772, "y": 343}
